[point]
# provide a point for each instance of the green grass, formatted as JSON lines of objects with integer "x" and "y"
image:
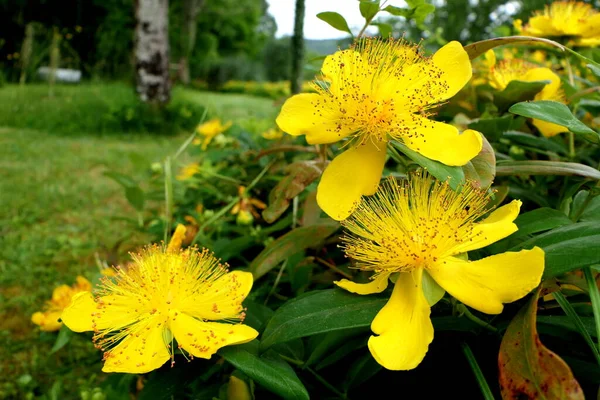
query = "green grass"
{"x": 58, "y": 212}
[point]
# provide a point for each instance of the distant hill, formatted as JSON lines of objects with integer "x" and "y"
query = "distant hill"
{"x": 322, "y": 46}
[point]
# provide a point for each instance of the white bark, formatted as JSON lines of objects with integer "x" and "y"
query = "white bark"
{"x": 152, "y": 50}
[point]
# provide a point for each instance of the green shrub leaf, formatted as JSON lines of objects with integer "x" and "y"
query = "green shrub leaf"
{"x": 335, "y": 20}
{"x": 509, "y": 167}
{"x": 268, "y": 370}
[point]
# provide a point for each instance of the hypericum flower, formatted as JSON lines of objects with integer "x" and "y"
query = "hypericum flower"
{"x": 373, "y": 92}
{"x": 209, "y": 130}
{"x": 500, "y": 74}
{"x": 164, "y": 294}
{"x": 49, "y": 319}
{"x": 272, "y": 134}
{"x": 564, "y": 18}
{"x": 417, "y": 231}
{"x": 188, "y": 171}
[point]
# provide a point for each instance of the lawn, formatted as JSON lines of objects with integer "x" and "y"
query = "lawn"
{"x": 59, "y": 214}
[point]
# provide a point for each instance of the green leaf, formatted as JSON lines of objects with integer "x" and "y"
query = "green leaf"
{"x": 135, "y": 197}
{"x": 422, "y": 11}
{"x": 557, "y": 113}
{"x": 319, "y": 312}
{"x": 432, "y": 291}
{"x": 414, "y": 3}
{"x": 564, "y": 323}
{"x": 268, "y": 370}
{"x": 64, "y": 336}
{"x": 360, "y": 371}
{"x": 518, "y": 91}
{"x": 595, "y": 69}
{"x": 493, "y": 128}
{"x": 454, "y": 175}
{"x": 399, "y": 12}
{"x": 290, "y": 244}
{"x": 482, "y": 168}
{"x": 539, "y": 220}
{"x": 567, "y": 248}
{"x": 476, "y": 49}
{"x": 576, "y": 320}
{"x": 335, "y": 20}
{"x": 527, "y": 368}
{"x": 591, "y": 211}
{"x": 536, "y": 142}
{"x": 121, "y": 179}
{"x": 509, "y": 167}
{"x": 385, "y": 30}
{"x": 326, "y": 342}
{"x": 300, "y": 175}
{"x": 368, "y": 9}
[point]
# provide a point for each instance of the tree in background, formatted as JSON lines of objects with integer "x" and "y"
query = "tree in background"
{"x": 298, "y": 48}
{"x": 152, "y": 51}
{"x": 191, "y": 8}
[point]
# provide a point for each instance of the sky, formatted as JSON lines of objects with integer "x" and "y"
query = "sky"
{"x": 314, "y": 28}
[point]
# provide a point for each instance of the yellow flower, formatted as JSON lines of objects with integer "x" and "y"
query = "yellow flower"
{"x": 371, "y": 93}
{"x": 184, "y": 295}
{"x": 502, "y": 73}
{"x": 48, "y": 320}
{"x": 272, "y": 134}
{"x": 564, "y": 18}
{"x": 188, "y": 171}
{"x": 417, "y": 232}
{"x": 209, "y": 130}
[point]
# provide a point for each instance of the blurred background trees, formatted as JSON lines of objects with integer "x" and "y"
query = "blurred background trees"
{"x": 210, "y": 40}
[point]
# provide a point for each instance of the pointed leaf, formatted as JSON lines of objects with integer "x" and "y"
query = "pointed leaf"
{"x": 509, "y": 167}
{"x": 557, "y": 113}
{"x": 368, "y": 9}
{"x": 454, "y": 175}
{"x": 335, "y": 20}
{"x": 517, "y": 91}
{"x": 268, "y": 370}
{"x": 527, "y": 369}
{"x": 290, "y": 244}
{"x": 399, "y": 12}
{"x": 476, "y": 49}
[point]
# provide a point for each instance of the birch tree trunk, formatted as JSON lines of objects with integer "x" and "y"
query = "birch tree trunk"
{"x": 298, "y": 48}
{"x": 191, "y": 8}
{"x": 152, "y": 51}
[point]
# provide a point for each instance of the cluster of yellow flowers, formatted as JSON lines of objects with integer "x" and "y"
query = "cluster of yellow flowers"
{"x": 414, "y": 233}
{"x": 574, "y": 19}
{"x": 380, "y": 91}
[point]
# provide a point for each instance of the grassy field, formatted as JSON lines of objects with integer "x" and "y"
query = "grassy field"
{"x": 58, "y": 212}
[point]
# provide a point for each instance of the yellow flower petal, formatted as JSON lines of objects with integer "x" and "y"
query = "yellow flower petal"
{"x": 344, "y": 62}
{"x": 203, "y": 339}
{"x": 47, "y": 321}
{"x": 223, "y": 299}
{"x": 177, "y": 238}
{"x": 488, "y": 283}
{"x": 548, "y": 129}
{"x": 455, "y": 64}
{"x": 549, "y": 92}
{"x": 541, "y": 25}
{"x": 498, "y": 225}
{"x": 442, "y": 142}
{"x": 142, "y": 351}
{"x": 85, "y": 314}
{"x": 78, "y": 315}
{"x": 490, "y": 58}
{"x": 403, "y": 326}
{"x": 309, "y": 114}
{"x": 350, "y": 175}
{"x": 377, "y": 285}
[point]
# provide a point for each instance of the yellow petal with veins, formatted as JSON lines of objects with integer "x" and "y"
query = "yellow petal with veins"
{"x": 488, "y": 283}
{"x": 352, "y": 174}
{"x": 377, "y": 285}
{"x": 403, "y": 325}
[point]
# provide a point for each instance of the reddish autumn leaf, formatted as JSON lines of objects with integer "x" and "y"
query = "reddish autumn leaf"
{"x": 528, "y": 370}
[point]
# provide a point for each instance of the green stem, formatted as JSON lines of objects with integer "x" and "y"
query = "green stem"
{"x": 215, "y": 217}
{"x": 168, "y": 198}
{"x": 277, "y": 279}
{"x": 572, "y": 314}
{"x": 483, "y": 385}
{"x": 465, "y": 311}
{"x": 594, "y": 297}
